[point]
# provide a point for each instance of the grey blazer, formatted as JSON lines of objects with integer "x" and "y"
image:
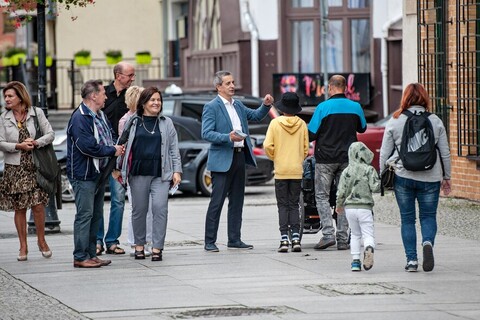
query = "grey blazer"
{"x": 9, "y": 133}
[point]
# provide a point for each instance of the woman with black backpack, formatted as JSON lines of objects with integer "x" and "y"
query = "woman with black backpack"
{"x": 415, "y": 144}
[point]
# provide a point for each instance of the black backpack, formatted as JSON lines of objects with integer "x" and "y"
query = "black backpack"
{"x": 418, "y": 150}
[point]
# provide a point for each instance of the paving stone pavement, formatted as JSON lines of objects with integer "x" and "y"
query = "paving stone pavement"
{"x": 18, "y": 300}
{"x": 252, "y": 284}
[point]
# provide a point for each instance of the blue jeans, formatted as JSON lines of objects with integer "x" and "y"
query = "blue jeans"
{"x": 427, "y": 195}
{"x": 87, "y": 218}
{"x": 117, "y": 205}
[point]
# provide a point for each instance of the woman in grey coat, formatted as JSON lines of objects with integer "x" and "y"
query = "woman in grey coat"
{"x": 151, "y": 165}
{"x": 19, "y": 189}
{"x": 417, "y": 186}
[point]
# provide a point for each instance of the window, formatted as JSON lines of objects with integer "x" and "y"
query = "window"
{"x": 348, "y": 43}
{"x": 302, "y": 3}
{"x": 302, "y": 46}
{"x": 360, "y": 45}
{"x": 468, "y": 79}
{"x": 207, "y": 31}
{"x": 335, "y": 46}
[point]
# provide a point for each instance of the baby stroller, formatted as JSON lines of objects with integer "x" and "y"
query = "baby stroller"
{"x": 309, "y": 218}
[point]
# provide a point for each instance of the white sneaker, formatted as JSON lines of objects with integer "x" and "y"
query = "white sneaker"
{"x": 148, "y": 250}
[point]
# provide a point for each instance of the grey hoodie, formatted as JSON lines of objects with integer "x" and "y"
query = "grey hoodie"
{"x": 358, "y": 180}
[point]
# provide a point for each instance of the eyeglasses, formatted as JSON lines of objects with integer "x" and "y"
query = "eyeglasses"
{"x": 128, "y": 75}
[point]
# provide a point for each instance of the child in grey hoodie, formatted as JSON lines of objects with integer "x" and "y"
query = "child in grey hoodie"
{"x": 354, "y": 198}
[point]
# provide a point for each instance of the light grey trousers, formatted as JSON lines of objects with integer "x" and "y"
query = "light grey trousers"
{"x": 144, "y": 189}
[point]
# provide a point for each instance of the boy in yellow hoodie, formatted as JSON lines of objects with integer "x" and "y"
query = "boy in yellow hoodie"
{"x": 287, "y": 145}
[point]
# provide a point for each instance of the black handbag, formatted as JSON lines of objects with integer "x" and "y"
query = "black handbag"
{"x": 45, "y": 160}
{"x": 387, "y": 176}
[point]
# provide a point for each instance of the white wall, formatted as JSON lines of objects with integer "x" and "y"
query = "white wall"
{"x": 409, "y": 53}
{"x": 133, "y": 26}
{"x": 265, "y": 17}
{"x": 384, "y": 11}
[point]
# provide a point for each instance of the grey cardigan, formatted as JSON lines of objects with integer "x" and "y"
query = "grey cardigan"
{"x": 393, "y": 136}
{"x": 9, "y": 133}
{"x": 171, "y": 161}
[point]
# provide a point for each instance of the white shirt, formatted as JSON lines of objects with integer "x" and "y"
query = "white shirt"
{"x": 236, "y": 123}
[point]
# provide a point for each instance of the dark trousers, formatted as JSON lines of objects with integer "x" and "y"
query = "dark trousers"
{"x": 229, "y": 184}
{"x": 287, "y": 192}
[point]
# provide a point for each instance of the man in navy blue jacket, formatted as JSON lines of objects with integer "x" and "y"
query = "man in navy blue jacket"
{"x": 333, "y": 127}
{"x": 89, "y": 146}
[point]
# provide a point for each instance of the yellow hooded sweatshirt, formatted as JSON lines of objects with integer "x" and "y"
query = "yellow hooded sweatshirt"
{"x": 286, "y": 144}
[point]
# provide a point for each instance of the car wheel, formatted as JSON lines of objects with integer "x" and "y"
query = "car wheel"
{"x": 204, "y": 180}
{"x": 67, "y": 190}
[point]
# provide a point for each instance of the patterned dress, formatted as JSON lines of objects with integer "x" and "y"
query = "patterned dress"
{"x": 18, "y": 188}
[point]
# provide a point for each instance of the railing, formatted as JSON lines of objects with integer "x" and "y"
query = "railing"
{"x": 64, "y": 78}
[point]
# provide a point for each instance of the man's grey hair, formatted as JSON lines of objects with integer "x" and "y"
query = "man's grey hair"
{"x": 90, "y": 87}
{"x": 218, "y": 79}
{"x": 118, "y": 68}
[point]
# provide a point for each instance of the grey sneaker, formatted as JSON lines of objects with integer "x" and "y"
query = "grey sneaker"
{"x": 343, "y": 246}
{"x": 324, "y": 244}
{"x": 411, "y": 266}
{"x": 284, "y": 245}
{"x": 368, "y": 258}
{"x": 428, "y": 261}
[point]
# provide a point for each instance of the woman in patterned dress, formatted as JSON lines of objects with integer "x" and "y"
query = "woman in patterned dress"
{"x": 18, "y": 188}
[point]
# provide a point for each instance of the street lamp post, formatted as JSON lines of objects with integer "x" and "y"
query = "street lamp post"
{"x": 323, "y": 45}
{"x": 52, "y": 223}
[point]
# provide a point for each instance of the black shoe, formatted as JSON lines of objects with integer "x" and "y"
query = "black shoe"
{"x": 239, "y": 245}
{"x": 157, "y": 256}
{"x": 211, "y": 247}
{"x": 139, "y": 254}
{"x": 296, "y": 247}
{"x": 428, "y": 261}
{"x": 284, "y": 245}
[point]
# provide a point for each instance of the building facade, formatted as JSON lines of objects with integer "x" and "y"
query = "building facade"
{"x": 445, "y": 57}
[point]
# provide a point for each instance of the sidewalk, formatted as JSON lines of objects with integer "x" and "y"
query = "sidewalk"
{"x": 256, "y": 284}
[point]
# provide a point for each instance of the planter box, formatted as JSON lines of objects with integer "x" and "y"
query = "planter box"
{"x": 113, "y": 60}
{"x": 143, "y": 58}
{"x": 48, "y": 61}
{"x": 83, "y": 61}
{"x": 6, "y": 62}
{"x": 18, "y": 58}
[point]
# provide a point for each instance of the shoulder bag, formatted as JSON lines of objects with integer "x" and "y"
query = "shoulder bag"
{"x": 45, "y": 162}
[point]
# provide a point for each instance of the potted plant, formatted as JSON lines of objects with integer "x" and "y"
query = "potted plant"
{"x": 14, "y": 56}
{"x": 82, "y": 58}
{"x": 143, "y": 57}
{"x": 48, "y": 60}
{"x": 113, "y": 56}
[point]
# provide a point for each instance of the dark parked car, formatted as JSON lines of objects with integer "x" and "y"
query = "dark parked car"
{"x": 191, "y": 105}
{"x": 194, "y": 152}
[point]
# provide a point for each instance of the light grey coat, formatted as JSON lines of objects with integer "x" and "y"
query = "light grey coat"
{"x": 393, "y": 136}
{"x": 9, "y": 133}
{"x": 171, "y": 161}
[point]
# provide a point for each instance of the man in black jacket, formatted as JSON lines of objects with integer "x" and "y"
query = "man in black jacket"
{"x": 114, "y": 109}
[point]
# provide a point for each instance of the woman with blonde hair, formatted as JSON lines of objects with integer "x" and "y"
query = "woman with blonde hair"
{"x": 19, "y": 188}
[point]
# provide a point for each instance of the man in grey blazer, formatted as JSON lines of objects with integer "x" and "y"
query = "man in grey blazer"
{"x": 230, "y": 151}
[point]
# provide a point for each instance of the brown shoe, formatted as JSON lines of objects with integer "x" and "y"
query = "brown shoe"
{"x": 102, "y": 262}
{"x": 86, "y": 264}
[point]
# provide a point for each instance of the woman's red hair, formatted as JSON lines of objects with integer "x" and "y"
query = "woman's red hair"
{"x": 413, "y": 95}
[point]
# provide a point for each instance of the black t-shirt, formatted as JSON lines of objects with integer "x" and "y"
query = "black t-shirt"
{"x": 115, "y": 107}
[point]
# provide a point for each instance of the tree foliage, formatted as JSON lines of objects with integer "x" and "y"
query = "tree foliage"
{"x": 29, "y": 5}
